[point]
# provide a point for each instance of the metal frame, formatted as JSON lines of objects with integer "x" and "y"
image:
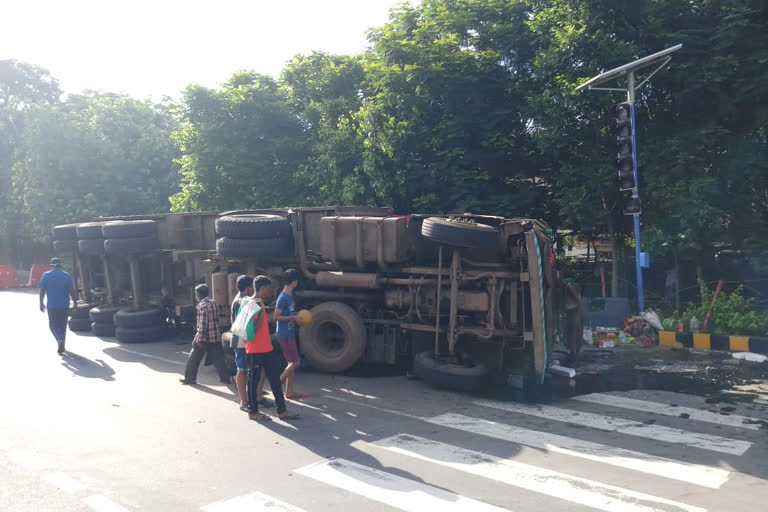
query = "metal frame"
{"x": 629, "y": 71}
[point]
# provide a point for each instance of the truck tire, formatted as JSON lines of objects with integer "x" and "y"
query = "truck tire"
{"x": 103, "y": 330}
{"x": 335, "y": 340}
{"x": 89, "y": 230}
{"x": 79, "y": 324}
{"x": 261, "y": 248}
{"x": 91, "y": 246}
{"x": 253, "y": 226}
{"x": 64, "y": 246}
{"x": 460, "y": 233}
{"x": 104, "y": 314}
{"x": 450, "y": 376}
{"x": 129, "y": 318}
{"x": 130, "y": 245}
{"x": 129, "y": 229}
{"x": 83, "y": 310}
{"x": 144, "y": 334}
{"x": 65, "y": 232}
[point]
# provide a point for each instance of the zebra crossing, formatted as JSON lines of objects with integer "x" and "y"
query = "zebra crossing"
{"x": 355, "y": 481}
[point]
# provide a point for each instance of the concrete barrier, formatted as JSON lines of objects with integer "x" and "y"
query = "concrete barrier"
{"x": 9, "y": 278}
{"x": 680, "y": 340}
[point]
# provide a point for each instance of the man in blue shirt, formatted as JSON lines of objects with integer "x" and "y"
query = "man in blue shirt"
{"x": 58, "y": 286}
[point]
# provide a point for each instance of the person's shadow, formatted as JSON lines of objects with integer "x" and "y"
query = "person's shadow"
{"x": 84, "y": 367}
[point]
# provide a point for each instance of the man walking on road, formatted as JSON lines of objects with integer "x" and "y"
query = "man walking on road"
{"x": 262, "y": 355}
{"x": 57, "y": 286}
{"x": 206, "y": 339}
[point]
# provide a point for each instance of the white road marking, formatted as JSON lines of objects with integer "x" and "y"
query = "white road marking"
{"x": 732, "y": 420}
{"x": 370, "y": 406}
{"x": 100, "y": 503}
{"x": 692, "y": 473}
{"x": 158, "y": 358}
{"x": 27, "y": 460}
{"x": 253, "y": 502}
{"x": 64, "y": 482}
{"x": 629, "y": 427}
{"x": 395, "y": 491}
{"x": 559, "y": 485}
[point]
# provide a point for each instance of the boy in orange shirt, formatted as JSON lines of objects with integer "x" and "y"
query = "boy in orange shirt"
{"x": 261, "y": 354}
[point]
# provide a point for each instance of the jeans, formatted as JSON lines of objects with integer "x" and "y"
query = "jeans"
{"x": 273, "y": 367}
{"x": 57, "y": 321}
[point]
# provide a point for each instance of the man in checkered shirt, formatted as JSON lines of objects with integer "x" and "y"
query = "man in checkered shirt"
{"x": 207, "y": 341}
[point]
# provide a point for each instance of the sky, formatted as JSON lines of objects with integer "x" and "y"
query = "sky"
{"x": 155, "y": 48}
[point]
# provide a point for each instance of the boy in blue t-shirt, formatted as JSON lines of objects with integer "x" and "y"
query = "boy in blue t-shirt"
{"x": 285, "y": 316}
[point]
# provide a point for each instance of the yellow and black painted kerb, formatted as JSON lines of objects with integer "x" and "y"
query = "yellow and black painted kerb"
{"x": 756, "y": 344}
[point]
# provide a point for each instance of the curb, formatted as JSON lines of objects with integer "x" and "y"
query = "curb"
{"x": 679, "y": 340}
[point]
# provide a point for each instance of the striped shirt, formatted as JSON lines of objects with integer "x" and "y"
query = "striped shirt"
{"x": 207, "y": 322}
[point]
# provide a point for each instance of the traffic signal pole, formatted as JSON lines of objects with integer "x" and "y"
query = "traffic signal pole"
{"x": 635, "y": 194}
{"x": 661, "y": 59}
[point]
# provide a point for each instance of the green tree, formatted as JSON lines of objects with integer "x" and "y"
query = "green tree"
{"x": 445, "y": 118}
{"x": 241, "y": 146}
{"x": 324, "y": 91}
{"x": 94, "y": 155}
{"x": 23, "y": 87}
{"x": 694, "y": 119}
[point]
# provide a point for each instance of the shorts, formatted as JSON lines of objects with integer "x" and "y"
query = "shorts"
{"x": 290, "y": 349}
{"x": 241, "y": 360}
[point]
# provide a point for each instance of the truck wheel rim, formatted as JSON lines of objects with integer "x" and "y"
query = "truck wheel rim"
{"x": 331, "y": 338}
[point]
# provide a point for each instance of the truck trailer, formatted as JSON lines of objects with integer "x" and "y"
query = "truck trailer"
{"x": 461, "y": 299}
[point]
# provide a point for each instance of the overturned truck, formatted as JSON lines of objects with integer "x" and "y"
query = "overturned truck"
{"x": 462, "y": 299}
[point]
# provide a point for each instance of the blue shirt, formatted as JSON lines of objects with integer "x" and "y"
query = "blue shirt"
{"x": 287, "y": 305}
{"x": 57, "y": 284}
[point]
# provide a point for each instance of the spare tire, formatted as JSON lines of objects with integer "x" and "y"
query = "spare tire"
{"x": 460, "y": 233}
{"x": 132, "y": 319}
{"x": 65, "y": 232}
{"x": 336, "y": 338}
{"x": 129, "y": 229}
{"x": 263, "y": 249}
{"x": 450, "y": 376}
{"x": 104, "y": 314}
{"x": 91, "y": 246}
{"x": 89, "y": 230}
{"x": 130, "y": 245}
{"x": 103, "y": 330}
{"x": 79, "y": 324}
{"x": 64, "y": 246}
{"x": 142, "y": 334}
{"x": 253, "y": 226}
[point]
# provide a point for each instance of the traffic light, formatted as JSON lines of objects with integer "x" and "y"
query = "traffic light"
{"x": 625, "y": 159}
{"x": 633, "y": 206}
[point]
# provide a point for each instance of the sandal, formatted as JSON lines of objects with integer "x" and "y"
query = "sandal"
{"x": 289, "y": 416}
{"x": 295, "y": 396}
{"x": 266, "y": 403}
{"x": 260, "y": 417}
{"x": 245, "y": 408}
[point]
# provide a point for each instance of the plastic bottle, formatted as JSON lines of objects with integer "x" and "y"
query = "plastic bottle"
{"x": 622, "y": 337}
{"x": 694, "y": 325}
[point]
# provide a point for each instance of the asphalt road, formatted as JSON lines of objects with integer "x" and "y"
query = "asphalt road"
{"x": 108, "y": 428}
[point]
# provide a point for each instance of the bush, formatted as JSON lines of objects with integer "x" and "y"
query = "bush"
{"x": 733, "y": 313}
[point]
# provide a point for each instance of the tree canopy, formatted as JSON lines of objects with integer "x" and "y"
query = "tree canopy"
{"x": 458, "y": 105}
